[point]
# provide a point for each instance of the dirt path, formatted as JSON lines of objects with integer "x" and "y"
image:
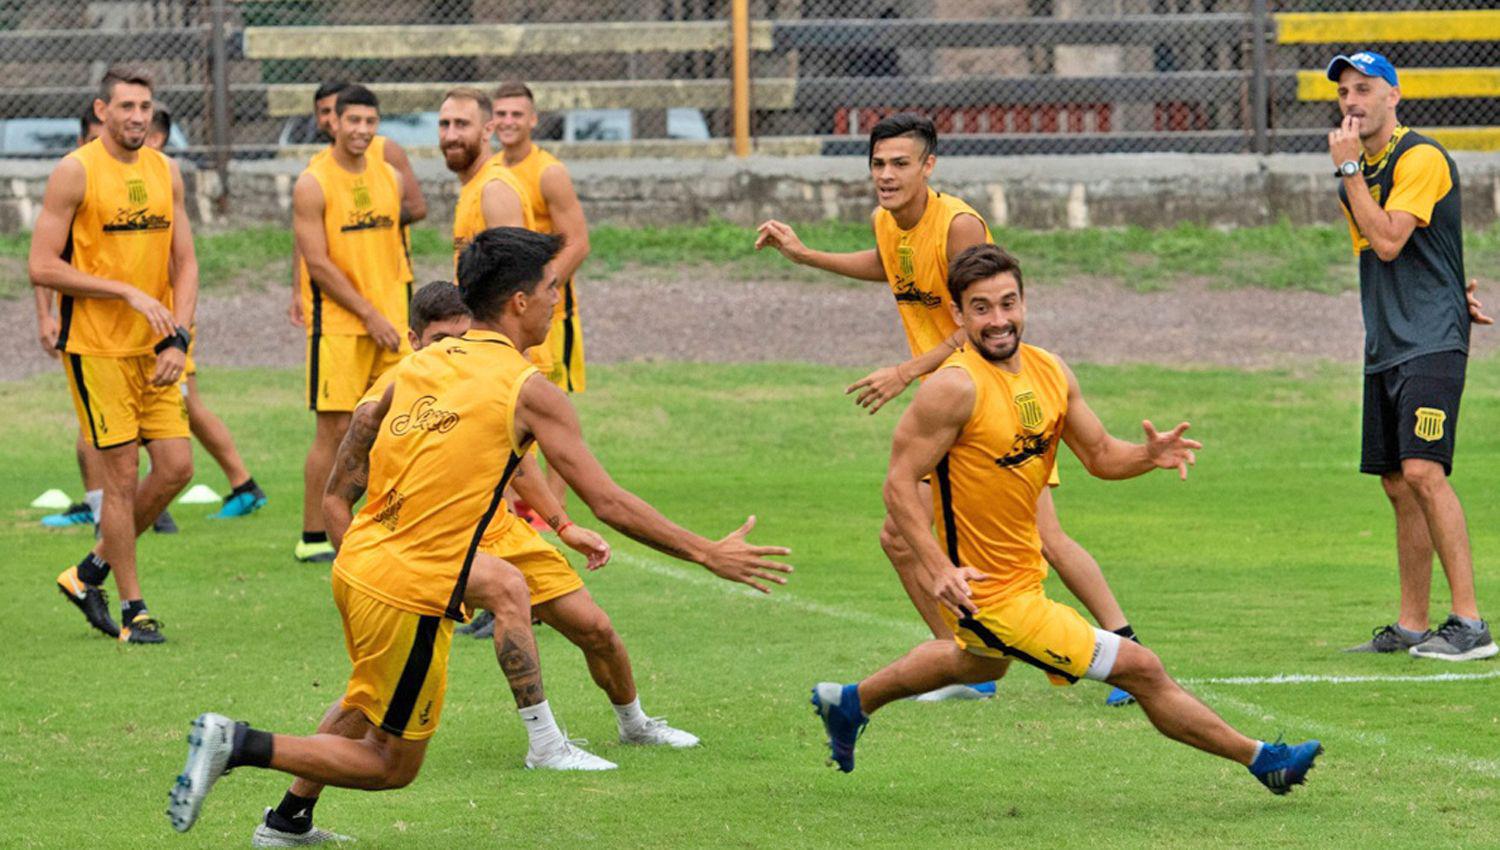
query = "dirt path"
{"x": 696, "y": 314}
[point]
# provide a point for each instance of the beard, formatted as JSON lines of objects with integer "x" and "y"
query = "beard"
{"x": 998, "y": 355}
{"x": 128, "y": 143}
{"x": 460, "y": 157}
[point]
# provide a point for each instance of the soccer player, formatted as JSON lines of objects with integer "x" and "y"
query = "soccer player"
{"x": 986, "y": 426}
{"x": 346, "y": 210}
{"x": 453, "y": 427}
{"x": 113, "y": 237}
{"x": 489, "y": 194}
{"x": 917, "y": 233}
{"x": 1400, "y": 192}
{"x": 555, "y": 209}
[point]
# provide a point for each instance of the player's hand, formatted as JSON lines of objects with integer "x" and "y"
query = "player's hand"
{"x": 783, "y": 238}
{"x": 169, "y": 365}
{"x": 587, "y": 543}
{"x": 878, "y": 387}
{"x": 1343, "y": 143}
{"x": 952, "y": 590}
{"x": 1476, "y": 309}
{"x": 157, "y": 315}
{"x": 1171, "y": 450}
{"x": 294, "y": 312}
{"x": 734, "y": 559}
{"x": 383, "y": 331}
{"x": 47, "y": 329}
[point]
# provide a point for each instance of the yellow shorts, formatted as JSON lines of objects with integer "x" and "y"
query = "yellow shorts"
{"x": 548, "y": 574}
{"x": 1032, "y": 628}
{"x": 560, "y": 357}
{"x": 400, "y": 662}
{"x": 117, "y": 404}
{"x": 341, "y": 367}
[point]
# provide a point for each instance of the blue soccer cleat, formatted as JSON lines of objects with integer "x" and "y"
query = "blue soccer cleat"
{"x": 76, "y": 514}
{"x": 241, "y": 504}
{"x": 838, "y": 705}
{"x": 1119, "y": 698}
{"x": 1280, "y": 766}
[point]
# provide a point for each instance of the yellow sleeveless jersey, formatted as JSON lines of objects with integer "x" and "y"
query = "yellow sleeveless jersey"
{"x": 361, "y": 221}
{"x": 468, "y": 213}
{"x": 529, "y": 170}
{"x": 438, "y": 469}
{"x": 985, "y": 489}
{"x": 916, "y": 266}
{"x": 122, "y": 231}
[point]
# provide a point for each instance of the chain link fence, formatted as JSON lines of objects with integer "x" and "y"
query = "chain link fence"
{"x": 657, "y": 77}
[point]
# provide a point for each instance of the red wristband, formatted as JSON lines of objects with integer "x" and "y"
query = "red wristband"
{"x": 560, "y": 528}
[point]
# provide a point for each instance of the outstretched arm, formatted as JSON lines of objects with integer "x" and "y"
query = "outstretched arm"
{"x": 544, "y": 411}
{"x": 351, "y": 467}
{"x": 860, "y": 265}
{"x": 1106, "y": 456}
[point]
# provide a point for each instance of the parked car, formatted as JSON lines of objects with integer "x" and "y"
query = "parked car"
{"x": 51, "y": 137}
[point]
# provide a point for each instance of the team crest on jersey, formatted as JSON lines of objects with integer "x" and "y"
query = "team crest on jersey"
{"x": 1375, "y": 192}
{"x": 1029, "y": 410}
{"x": 362, "y": 196}
{"x": 1430, "y": 423}
{"x": 135, "y": 190}
{"x": 905, "y": 288}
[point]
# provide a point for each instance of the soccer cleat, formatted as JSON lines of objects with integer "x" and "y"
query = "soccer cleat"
{"x": 91, "y": 599}
{"x": 314, "y": 553}
{"x": 1119, "y": 698}
{"x": 210, "y": 741}
{"x": 983, "y": 690}
{"x": 656, "y": 733}
{"x": 143, "y": 629}
{"x": 1454, "y": 641}
{"x": 838, "y": 706}
{"x": 241, "y": 504}
{"x": 268, "y": 836}
{"x": 1388, "y": 639}
{"x": 76, "y": 514}
{"x": 1280, "y": 766}
{"x": 482, "y": 626}
{"x": 164, "y": 524}
{"x": 567, "y": 756}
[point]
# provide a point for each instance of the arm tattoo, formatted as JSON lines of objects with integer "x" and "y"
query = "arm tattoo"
{"x": 516, "y": 651}
{"x": 351, "y": 468}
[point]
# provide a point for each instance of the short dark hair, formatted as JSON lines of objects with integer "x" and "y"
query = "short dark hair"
{"x": 499, "y": 263}
{"x": 435, "y": 302}
{"x": 87, "y": 121}
{"x": 513, "y": 88}
{"x": 981, "y": 262}
{"x": 328, "y": 89}
{"x": 161, "y": 120}
{"x": 133, "y": 74}
{"x": 918, "y": 127}
{"x": 355, "y": 95}
{"x": 469, "y": 93}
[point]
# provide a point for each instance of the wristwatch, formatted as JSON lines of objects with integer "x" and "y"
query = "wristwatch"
{"x": 1347, "y": 168}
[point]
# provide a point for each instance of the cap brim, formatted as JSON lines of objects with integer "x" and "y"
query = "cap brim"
{"x": 1336, "y": 67}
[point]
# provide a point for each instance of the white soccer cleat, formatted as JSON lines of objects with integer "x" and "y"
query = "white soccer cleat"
{"x": 265, "y": 836}
{"x": 656, "y": 733}
{"x": 568, "y": 756}
{"x": 210, "y": 741}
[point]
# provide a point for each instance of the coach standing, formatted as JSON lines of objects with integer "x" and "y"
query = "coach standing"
{"x": 1400, "y": 192}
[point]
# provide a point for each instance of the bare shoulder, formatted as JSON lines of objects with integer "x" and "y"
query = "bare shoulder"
{"x": 947, "y": 395}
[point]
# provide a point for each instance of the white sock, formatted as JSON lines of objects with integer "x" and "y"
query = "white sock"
{"x": 541, "y": 729}
{"x": 630, "y": 716}
{"x": 95, "y": 500}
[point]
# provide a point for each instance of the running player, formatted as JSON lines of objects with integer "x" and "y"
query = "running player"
{"x": 917, "y": 233}
{"x": 467, "y": 405}
{"x": 313, "y": 545}
{"x": 986, "y": 426}
{"x": 346, "y": 209}
{"x": 113, "y": 237}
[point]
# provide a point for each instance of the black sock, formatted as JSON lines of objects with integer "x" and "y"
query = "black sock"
{"x": 130, "y": 609}
{"x": 314, "y": 537}
{"x": 92, "y": 569}
{"x": 1128, "y": 633}
{"x": 247, "y": 487}
{"x": 294, "y": 814}
{"x": 252, "y": 747}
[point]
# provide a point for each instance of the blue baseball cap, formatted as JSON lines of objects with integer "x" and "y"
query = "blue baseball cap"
{"x": 1365, "y": 62}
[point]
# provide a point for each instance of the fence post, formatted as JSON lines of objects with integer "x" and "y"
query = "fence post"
{"x": 220, "y": 71}
{"x": 1260, "y": 30}
{"x": 741, "y": 49}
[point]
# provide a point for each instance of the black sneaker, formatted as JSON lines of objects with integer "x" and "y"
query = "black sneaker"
{"x": 143, "y": 629}
{"x": 164, "y": 524}
{"x": 482, "y": 626}
{"x": 1386, "y": 639}
{"x": 91, "y": 599}
{"x": 1454, "y": 641}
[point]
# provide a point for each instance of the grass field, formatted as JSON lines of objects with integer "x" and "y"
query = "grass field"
{"x": 1272, "y": 557}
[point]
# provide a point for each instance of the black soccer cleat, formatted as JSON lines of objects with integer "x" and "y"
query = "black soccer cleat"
{"x": 143, "y": 629}
{"x": 91, "y": 599}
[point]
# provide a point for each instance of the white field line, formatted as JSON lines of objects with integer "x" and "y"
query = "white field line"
{"x": 1308, "y": 679}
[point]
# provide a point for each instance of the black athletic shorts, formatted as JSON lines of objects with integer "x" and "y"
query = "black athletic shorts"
{"x": 1411, "y": 411}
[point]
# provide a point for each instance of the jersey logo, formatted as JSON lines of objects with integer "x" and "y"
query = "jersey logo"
{"x": 424, "y": 416}
{"x": 135, "y": 190}
{"x": 1024, "y": 448}
{"x": 905, "y": 287}
{"x": 1430, "y": 423}
{"x": 1375, "y": 193}
{"x": 390, "y": 515}
{"x": 1029, "y": 410}
{"x": 906, "y": 262}
{"x": 134, "y": 220}
{"x": 361, "y": 197}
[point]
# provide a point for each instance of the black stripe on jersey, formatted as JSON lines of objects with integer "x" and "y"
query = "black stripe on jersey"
{"x": 950, "y": 521}
{"x": 455, "y": 609}
{"x": 413, "y": 675}
{"x": 568, "y": 308}
{"x": 995, "y": 643}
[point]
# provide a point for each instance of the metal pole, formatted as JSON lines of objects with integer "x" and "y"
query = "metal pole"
{"x": 1260, "y": 32}
{"x": 221, "y": 103}
{"x": 741, "y": 35}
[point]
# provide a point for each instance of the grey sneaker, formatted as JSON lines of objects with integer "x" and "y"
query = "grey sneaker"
{"x": 1388, "y": 639}
{"x": 210, "y": 740}
{"x": 268, "y": 836}
{"x": 482, "y": 626}
{"x": 1454, "y": 641}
